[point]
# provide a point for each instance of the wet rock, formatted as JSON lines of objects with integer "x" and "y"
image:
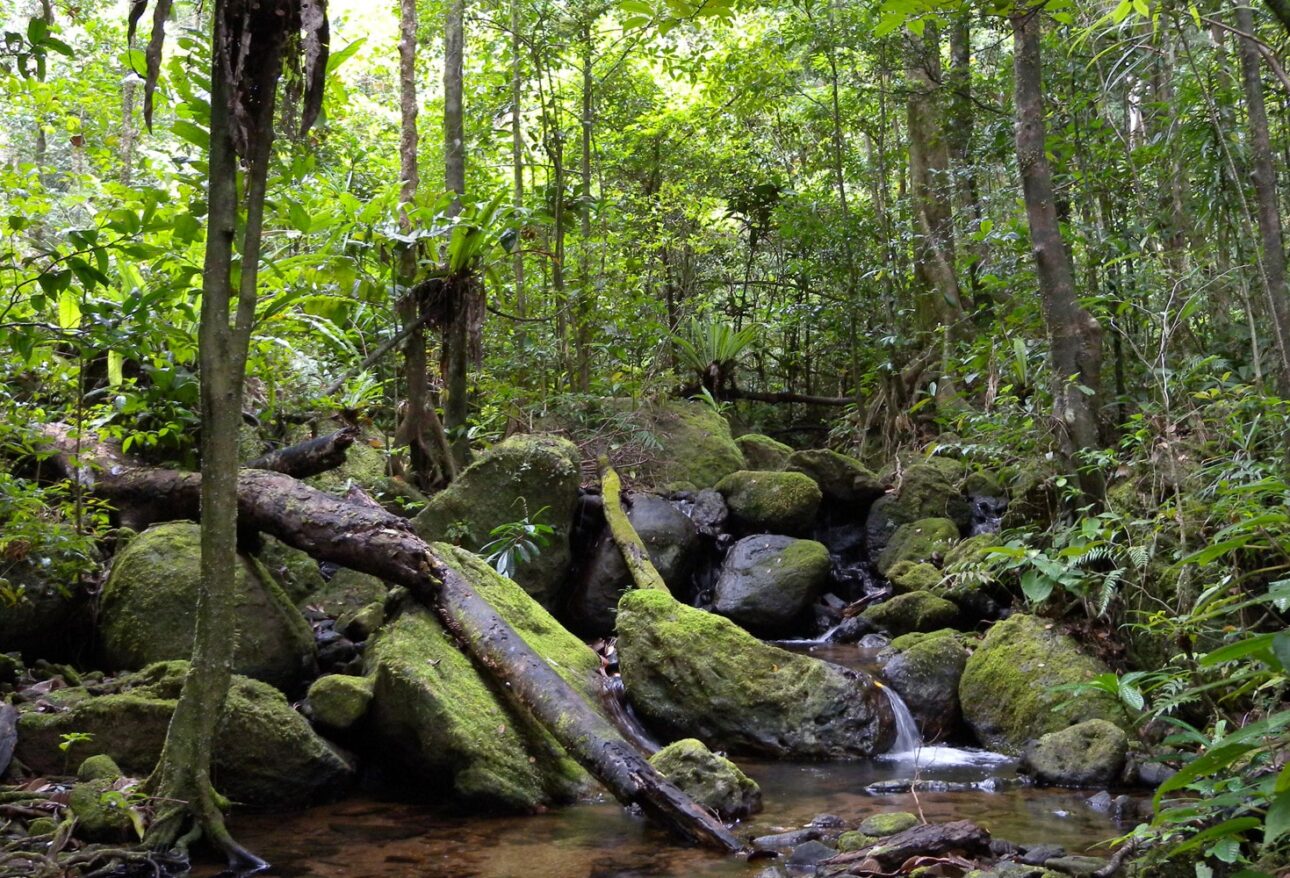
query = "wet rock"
{"x": 925, "y": 540}
{"x": 907, "y": 576}
{"x": 844, "y": 481}
{"x": 827, "y": 821}
{"x": 1100, "y": 802}
{"x": 771, "y": 502}
{"x": 781, "y": 840}
{"x": 1090, "y": 753}
{"x": 889, "y": 823}
{"x": 922, "y": 491}
{"x": 855, "y": 841}
{"x": 916, "y": 611}
{"x": 146, "y": 610}
{"x": 1037, "y": 855}
{"x": 265, "y": 754}
{"x": 437, "y": 720}
{"x": 711, "y": 780}
{"x": 1077, "y": 866}
{"x": 851, "y": 630}
{"x": 925, "y": 670}
{"x": 1007, "y": 689}
{"x": 297, "y": 573}
{"x": 767, "y": 582}
{"x": 672, "y": 540}
{"x": 762, "y": 452}
{"x": 873, "y": 641}
{"x": 1153, "y": 774}
{"x": 810, "y": 853}
{"x": 697, "y": 674}
{"x": 709, "y": 512}
{"x": 339, "y": 701}
{"x": 514, "y": 479}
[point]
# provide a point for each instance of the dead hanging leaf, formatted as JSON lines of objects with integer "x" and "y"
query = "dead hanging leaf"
{"x": 152, "y": 56}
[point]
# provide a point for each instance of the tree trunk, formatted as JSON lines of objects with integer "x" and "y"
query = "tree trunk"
{"x": 1075, "y": 337}
{"x": 959, "y": 138}
{"x": 586, "y": 291}
{"x": 630, "y": 545}
{"x": 456, "y": 334}
{"x": 517, "y": 168}
{"x": 1272, "y": 260}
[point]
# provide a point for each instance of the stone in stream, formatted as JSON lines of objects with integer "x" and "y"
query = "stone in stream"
{"x": 925, "y": 540}
{"x": 767, "y": 581}
{"x": 771, "y": 502}
{"x": 1091, "y": 753}
{"x": 1080, "y": 867}
{"x": 844, "y": 481}
{"x": 921, "y": 491}
{"x": 710, "y": 512}
{"x": 1007, "y": 690}
{"x": 517, "y": 478}
{"x": 924, "y": 670}
{"x": 697, "y": 674}
{"x": 888, "y": 823}
{"x": 146, "y": 610}
{"x": 710, "y": 780}
{"x": 915, "y": 611}
{"x": 762, "y": 452}
{"x": 339, "y": 701}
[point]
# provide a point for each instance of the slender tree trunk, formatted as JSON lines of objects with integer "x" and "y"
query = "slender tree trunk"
{"x": 962, "y": 121}
{"x": 586, "y": 288}
{"x": 1272, "y": 258}
{"x": 517, "y": 166}
{"x": 1075, "y": 337}
{"x": 456, "y": 336}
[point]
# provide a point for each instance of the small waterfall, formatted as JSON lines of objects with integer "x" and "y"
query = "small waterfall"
{"x": 908, "y": 738}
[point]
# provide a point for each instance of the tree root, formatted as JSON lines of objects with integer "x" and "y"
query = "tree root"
{"x": 190, "y": 810}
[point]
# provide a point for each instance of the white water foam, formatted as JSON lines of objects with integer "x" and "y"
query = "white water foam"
{"x": 909, "y": 745}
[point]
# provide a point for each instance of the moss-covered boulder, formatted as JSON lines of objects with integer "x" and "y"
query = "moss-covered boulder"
{"x": 146, "y": 610}
{"x": 1007, "y": 690}
{"x": 1088, "y": 754}
{"x": 1033, "y": 495}
{"x": 924, "y": 670}
{"x": 102, "y": 813}
{"x": 914, "y": 611}
{"x": 888, "y": 823}
{"x": 346, "y": 592}
{"x": 697, "y": 674}
{"x": 51, "y": 615}
{"x": 922, "y": 490}
{"x": 99, "y": 767}
{"x": 339, "y": 701}
{"x": 440, "y": 722}
{"x": 265, "y": 754}
{"x": 711, "y": 780}
{"x": 767, "y": 582}
{"x": 927, "y": 539}
{"x": 696, "y": 445}
{"x": 907, "y": 576}
{"x": 844, "y": 481}
{"x": 771, "y": 502}
{"x": 515, "y": 478}
{"x": 762, "y": 452}
{"x": 366, "y": 464}
{"x": 297, "y": 573}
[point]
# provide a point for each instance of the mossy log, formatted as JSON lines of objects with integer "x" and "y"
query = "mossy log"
{"x": 373, "y": 541}
{"x": 308, "y": 458}
{"x": 635, "y": 556}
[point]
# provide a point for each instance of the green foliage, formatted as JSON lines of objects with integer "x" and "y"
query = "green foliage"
{"x": 710, "y": 343}
{"x": 517, "y": 542}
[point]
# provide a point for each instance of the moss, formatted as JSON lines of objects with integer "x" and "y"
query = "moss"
{"x": 711, "y": 780}
{"x": 889, "y": 823}
{"x": 100, "y": 815}
{"x": 1090, "y": 753}
{"x": 762, "y": 452}
{"x": 514, "y": 479}
{"x": 365, "y": 465}
{"x": 362, "y": 623}
{"x": 855, "y": 841}
{"x": 907, "y": 576}
{"x": 971, "y": 551}
{"x": 1033, "y": 497}
{"x": 915, "y": 611}
{"x": 771, "y": 502}
{"x": 1007, "y": 688}
{"x": 347, "y": 591}
{"x": 921, "y": 491}
{"x": 984, "y": 483}
{"x": 42, "y": 826}
{"x": 927, "y": 539}
{"x": 297, "y": 573}
{"x": 842, "y": 479}
{"x": 100, "y": 767}
{"x": 699, "y": 675}
{"x": 339, "y": 701}
{"x": 442, "y": 720}
{"x": 146, "y": 610}
{"x": 697, "y": 445}
{"x": 767, "y": 581}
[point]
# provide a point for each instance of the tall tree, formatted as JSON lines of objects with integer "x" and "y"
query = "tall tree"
{"x": 460, "y": 290}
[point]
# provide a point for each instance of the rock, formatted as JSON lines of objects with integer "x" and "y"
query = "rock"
{"x": 146, "y": 610}
{"x": 102, "y": 813}
{"x": 925, "y": 540}
{"x": 1007, "y": 686}
{"x": 520, "y": 476}
{"x": 360, "y": 624}
{"x": 762, "y": 452}
{"x": 767, "y": 582}
{"x": 1087, "y": 754}
{"x": 844, "y": 481}
{"x": 1037, "y": 855}
{"x": 297, "y": 573}
{"x": 925, "y": 672}
{"x": 697, "y": 674}
{"x": 346, "y": 592}
{"x": 711, "y": 780}
{"x": 672, "y": 541}
{"x": 788, "y": 839}
{"x": 365, "y": 465}
{"x": 53, "y": 617}
{"x": 890, "y": 823}
{"x": 1078, "y": 866}
{"x": 696, "y": 444}
{"x": 709, "y": 512}
{"x": 1033, "y": 496}
{"x": 907, "y": 576}
{"x": 339, "y": 701}
{"x": 855, "y": 841}
{"x": 970, "y": 552}
{"x": 932, "y": 839}
{"x": 922, "y": 491}
{"x": 983, "y": 483}
{"x": 915, "y": 611}
{"x": 438, "y": 721}
{"x": 100, "y": 767}
{"x": 809, "y": 853}
{"x": 771, "y": 502}
{"x": 265, "y": 754}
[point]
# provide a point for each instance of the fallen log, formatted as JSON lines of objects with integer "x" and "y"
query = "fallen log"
{"x": 928, "y": 839}
{"x": 373, "y": 541}
{"x": 644, "y": 574}
{"x": 308, "y": 458}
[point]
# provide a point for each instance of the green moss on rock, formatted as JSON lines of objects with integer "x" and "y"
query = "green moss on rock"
{"x": 297, "y": 573}
{"x": 696, "y": 444}
{"x": 696, "y": 674}
{"x": 711, "y": 780}
{"x": 907, "y": 576}
{"x": 767, "y": 581}
{"x": 915, "y": 611}
{"x": 920, "y": 491}
{"x": 366, "y": 463}
{"x": 100, "y": 767}
{"x": 146, "y": 610}
{"x": 348, "y": 591}
{"x": 888, "y": 823}
{"x": 1033, "y": 496}
{"x": 927, "y": 539}
{"x": 1088, "y": 754}
{"x": 843, "y": 480}
{"x": 101, "y": 813}
{"x": 925, "y": 670}
{"x": 855, "y": 841}
{"x": 339, "y": 701}
{"x": 1007, "y": 690}
{"x": 771, "y": 502}
{"x": 762, "y": 452}
{"x": 514, "y": 479}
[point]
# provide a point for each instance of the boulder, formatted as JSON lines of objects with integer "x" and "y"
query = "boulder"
{"x": 339, "y": 701}
{"x": 762, "y": 452}
{"x": 1007, "y": 689}
{"x": 924, "y": 670}
{"x": 297, "y": 573}
{"x": 771, "y": 502}
{"x": 517, "y": 478}
{"x": 102, "y": 812}
{"x": 50, "y": 616}
{"x": 709, "y": 512}
{"x": 888, "y": 823}
{"x": 844, "y": 481}
{"x": 345, "y": 593}
{"x": 1033, "y": 495}
{"x": 672, "y": 540}
{"x": 146, "y": 610}
{"x": 923, "y": 490}
{"x": 265, "y": 755}
{"x": 697, "y": 674}
{"x": 907, "y": 576}
{"x": 767, "y": 582}
{"x": 440, "y": 723}
{"x": 1088, "y": 754}
{"x": 365, "y": 466}
{"x": 712, "y": 781}
{"x": 696, "y": 445}
{"x": 927, "y": 539}
{"x": 914, "y": 611}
